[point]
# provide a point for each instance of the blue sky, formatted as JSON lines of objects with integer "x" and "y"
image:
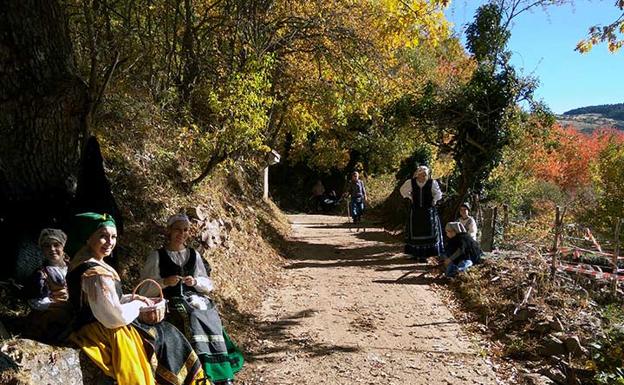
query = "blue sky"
{"x": 543, "y": 42}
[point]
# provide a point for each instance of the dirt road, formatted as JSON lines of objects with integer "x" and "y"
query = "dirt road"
{"x": 339, "y": 317}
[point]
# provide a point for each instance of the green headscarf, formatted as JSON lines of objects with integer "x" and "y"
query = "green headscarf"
{"x": 83, "y": 225}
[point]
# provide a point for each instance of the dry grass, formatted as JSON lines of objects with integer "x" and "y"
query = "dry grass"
{"x": 492, "y": 291}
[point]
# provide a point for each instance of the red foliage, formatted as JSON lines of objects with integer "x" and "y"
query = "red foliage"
{"x": 565, "y": 160}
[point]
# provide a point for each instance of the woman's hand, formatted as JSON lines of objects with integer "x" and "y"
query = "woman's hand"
{"x": 171, "y": 280}
{"x": 189, "y": 280}
{"x": 59, "y": 295}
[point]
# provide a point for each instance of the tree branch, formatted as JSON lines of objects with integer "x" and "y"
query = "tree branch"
{"x": 107, "y": 78}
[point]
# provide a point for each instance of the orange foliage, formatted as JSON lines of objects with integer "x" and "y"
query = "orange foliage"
{"x": 566, "y": 158}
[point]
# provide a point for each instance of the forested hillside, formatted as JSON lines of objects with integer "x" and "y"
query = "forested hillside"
{"x": 613, "y": 111}
{"x": 592, "y": 118}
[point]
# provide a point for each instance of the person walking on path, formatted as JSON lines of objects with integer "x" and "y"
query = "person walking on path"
{"x": 357, "y": 191}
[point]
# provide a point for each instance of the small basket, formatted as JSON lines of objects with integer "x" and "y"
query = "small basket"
{"x": 155, "y": 313}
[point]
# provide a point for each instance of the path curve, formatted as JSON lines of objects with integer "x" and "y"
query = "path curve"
{"x": 339, "y": 318}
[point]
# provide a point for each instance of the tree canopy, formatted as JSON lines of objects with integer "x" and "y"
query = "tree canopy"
{"x": 242, "y": 76}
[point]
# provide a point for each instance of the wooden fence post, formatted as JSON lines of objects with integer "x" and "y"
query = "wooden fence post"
{"x": 476, "y": 209}
{"x": 505, "y": 219}
{"x": 616, "y": 254}
{"x": 488, "y": 229}
{"x": 558, "y": 228}
{"x": 494, "y": 221}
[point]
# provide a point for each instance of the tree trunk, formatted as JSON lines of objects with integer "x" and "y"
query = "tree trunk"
{"x": 449, "y": 210}
{"x": 44, "y": 114}
{"x": 44, "y": 107}
{"x": 191, "y": 62}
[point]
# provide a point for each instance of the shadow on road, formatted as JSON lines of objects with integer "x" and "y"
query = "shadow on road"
{"x": 315, "y": 248}
{"x": 278, "y": 332}
{"x": 416, "y": 280}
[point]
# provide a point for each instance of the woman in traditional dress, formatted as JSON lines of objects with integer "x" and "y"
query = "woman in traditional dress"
{"x": 469, "y": 222}
{"x": 106, "y": 325}
{"x": 51, "y": 313}
{"x": 424, "y": 231}
{"x": 181, "y": 272}
{"x": 462, "y": 251}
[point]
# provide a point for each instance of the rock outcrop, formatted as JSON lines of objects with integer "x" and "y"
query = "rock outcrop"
{"x": 27, "y": 362}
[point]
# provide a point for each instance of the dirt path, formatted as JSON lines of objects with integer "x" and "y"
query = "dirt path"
{"x": 339, "y": 317}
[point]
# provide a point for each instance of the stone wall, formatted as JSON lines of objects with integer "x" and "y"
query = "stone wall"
{"x": 27, "y": 362}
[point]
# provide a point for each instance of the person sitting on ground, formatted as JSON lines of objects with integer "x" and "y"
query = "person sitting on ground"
{"x": 106, "y": 326}
{"x": 318, "y": 193}
{"x": 462, "y": 251}
{"x": 423, "y": 230}
{"x": 51, "y": 313}
{"x": 357, "y": 191}
{"x": 469, "y": 222}
{"x": 181, "y": 272}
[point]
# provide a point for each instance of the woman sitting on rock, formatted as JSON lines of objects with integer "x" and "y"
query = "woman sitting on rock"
{"x": 106, "y": 325}
{"x": 181, "y": 272}
{"x": 462, "y": 251}
{"x": 51, "y": 313}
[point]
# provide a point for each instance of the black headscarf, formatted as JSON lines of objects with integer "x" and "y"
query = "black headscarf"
{"x": 468, "y": 248}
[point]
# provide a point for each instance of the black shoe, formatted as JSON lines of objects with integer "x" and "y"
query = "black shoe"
{"x": 224, "y": 382}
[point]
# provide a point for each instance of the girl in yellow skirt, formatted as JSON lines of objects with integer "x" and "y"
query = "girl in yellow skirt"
{"x": 106, "y": 325}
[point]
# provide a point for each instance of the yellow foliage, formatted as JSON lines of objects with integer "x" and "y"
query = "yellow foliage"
{"x": 362, "y": 60}
{"x": 443, "y": 165}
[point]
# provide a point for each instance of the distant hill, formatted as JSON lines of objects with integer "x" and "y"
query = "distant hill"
{"x": 587, "y": 119}
{"x": 612, "y": 111}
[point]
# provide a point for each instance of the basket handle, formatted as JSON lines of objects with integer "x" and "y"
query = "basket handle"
{"x": 145, "y": 281}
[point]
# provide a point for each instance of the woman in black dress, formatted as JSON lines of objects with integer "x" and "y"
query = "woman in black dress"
{"x": 424, "y": 231}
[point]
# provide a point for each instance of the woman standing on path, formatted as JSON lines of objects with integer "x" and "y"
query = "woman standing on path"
{"x": 424, "y": 232}
{"x": 181, "y": 272}
{"x": 106, "y": 325}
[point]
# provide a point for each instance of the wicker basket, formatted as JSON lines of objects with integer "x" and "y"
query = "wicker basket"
{"x": 155, "y": 313}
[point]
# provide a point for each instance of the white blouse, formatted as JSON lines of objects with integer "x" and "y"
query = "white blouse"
{"x": 471, "y": 226}
{"x": 151, "y": 269}
{"x": 406, "y": 189}
{"x": 107, "y": 307}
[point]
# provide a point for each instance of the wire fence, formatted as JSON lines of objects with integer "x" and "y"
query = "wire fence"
{"x": 576, "y": 250}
